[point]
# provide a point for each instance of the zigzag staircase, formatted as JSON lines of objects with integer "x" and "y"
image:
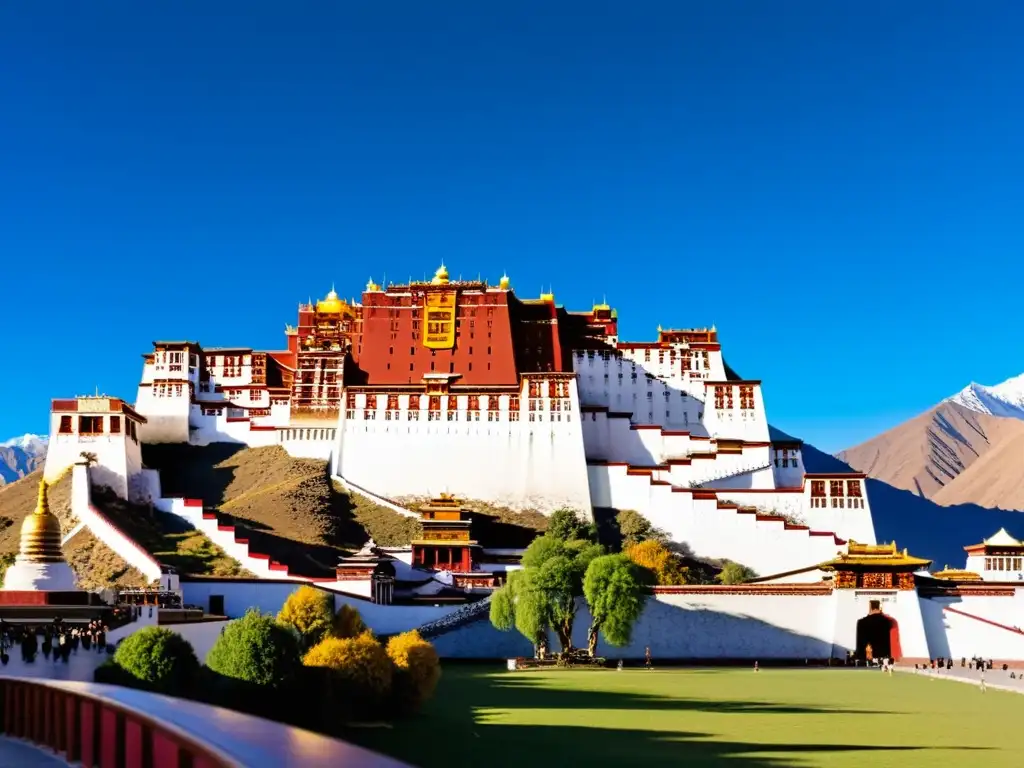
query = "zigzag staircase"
{"x": 734, "y": 472}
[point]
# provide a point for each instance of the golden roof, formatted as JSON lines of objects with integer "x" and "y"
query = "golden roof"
{"x": 40, "y": 533}
{"x": 372, "y": 286}
{"x": 331, "y": 304}
{"x": 440, "y": 276}
{"x": 858, "y": 554}
{"x": 957, "y": 574}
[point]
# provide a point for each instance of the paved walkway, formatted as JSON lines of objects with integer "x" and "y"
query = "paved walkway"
{"x": 24, "y": 755}
{"x": 994, "y": 678}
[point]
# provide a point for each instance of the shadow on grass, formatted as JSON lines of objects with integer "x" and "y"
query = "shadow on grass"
{"x": 505, "y": 693}
{"x": 465, "y": 725}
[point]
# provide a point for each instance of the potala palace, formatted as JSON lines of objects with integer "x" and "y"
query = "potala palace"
{"x": 462, "y": 392}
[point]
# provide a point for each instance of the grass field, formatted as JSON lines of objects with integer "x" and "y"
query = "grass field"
{"x": 737, "y": 718}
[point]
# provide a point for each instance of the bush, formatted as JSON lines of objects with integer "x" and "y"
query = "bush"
{"x": 668, "y": 569}
{"x": 348, "y": 623}
{"x": 417, "y": 670}
{"x": 256, "y": 649}
{"x": 309, "y": 612}
{"x": 157, "y": 659}
{"x": 360, "y": 674}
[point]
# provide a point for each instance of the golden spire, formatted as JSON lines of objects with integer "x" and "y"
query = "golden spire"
{"x": 441, "y": 275}
{"x": 40, "y": 533}
{"x": 505, "y": 282}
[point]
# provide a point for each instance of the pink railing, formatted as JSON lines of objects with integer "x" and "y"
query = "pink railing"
{"x": 105, "y": 726}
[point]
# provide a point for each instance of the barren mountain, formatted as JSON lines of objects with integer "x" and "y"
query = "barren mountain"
{"x": 969, "y": 449}
{"x": 20, "y": 457}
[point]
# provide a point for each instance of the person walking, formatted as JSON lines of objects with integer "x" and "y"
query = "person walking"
{"x": 647, "y": 658}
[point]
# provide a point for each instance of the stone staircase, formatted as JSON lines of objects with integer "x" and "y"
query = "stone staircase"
{"x": 733, "y": 472}
{"x": 768, "y": 543}
{"x": 468, "y": 614}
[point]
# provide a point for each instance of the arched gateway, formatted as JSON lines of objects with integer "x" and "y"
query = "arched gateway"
{"x": 874, "y": 571}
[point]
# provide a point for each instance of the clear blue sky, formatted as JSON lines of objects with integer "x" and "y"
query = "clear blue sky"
{"x": 839, "y": 186}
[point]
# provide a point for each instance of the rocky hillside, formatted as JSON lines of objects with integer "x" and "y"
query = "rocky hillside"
{"x": 20, "y": 457}
{"x": 288, "y": 508}
{"x": 95, "y": 564}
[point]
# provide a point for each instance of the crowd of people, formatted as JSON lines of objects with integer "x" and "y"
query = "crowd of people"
{"x": 57, "y": 640}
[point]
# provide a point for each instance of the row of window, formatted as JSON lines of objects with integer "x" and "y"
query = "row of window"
{"x": 492, "y": 416}
{"x": 1004, "y": 563}
{"x": 94, "y": 425}
{"x": 837, "y": 503}
{"x": 836, "y": 488}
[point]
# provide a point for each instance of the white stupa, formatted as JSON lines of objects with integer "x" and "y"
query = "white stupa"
{"x": 40, "y": 565}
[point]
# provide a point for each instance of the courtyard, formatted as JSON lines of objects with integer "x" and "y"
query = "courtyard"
{"x": 841, "y": 717}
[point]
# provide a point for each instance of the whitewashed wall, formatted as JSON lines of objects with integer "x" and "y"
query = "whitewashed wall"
{"x": 117, "y": 456}
{"x": 104, "y": 530}
{"x": 269, "y": 596}
{"x": 525, "y": 464}
{"x": 767, "y": 546}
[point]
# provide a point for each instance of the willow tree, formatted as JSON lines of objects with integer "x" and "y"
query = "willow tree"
{"x": 543, "y": 594}
{"x": 616, "y": 589}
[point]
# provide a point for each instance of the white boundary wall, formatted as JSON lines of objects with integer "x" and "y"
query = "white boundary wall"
{"x": 104, "y": 530}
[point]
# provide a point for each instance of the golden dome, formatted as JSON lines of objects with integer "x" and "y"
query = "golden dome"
{"x": 441, "y": 276}
{"x": 504, "y": 283}
{"x": 330, "y": 304}
{"x": 40, "y": 533}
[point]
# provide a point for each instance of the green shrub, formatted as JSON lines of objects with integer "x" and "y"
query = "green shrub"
{"x": 309, "y": 611}
{"x": 417, "y": 670}
{"x": 360, "y": 676}
{"x": 157, "y": 659}
{"x": 256, "y": 649}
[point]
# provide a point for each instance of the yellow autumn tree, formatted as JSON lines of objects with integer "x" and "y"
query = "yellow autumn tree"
{"x": 309, "y": 612}
{"x": 359, "y": 672}
{"x": 348, "y": 623}
{"x": 657, "y": 558}
{"x": 417, "y": 670}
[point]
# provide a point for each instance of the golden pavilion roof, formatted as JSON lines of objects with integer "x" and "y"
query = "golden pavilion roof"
{"x": 331, "y": 304}
{"x": 40, "y": 533}
{"x": 957, "y": 574}
{"x": 873, "y": 555}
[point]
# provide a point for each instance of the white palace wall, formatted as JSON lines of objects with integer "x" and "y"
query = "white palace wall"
{"x": 526, "y": 459}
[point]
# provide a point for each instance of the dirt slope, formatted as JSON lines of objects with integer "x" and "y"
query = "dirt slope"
{"x": 289, "y": 507}
{"x": 951, "y": 455}
{"x": 95, "y": 564}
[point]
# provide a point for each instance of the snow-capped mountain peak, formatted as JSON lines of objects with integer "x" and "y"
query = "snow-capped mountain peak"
{"x": 32, "y": 444}
{"x": 1006, "y": 399}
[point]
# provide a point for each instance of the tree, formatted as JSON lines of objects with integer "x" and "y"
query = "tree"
{"x": 565, "y": 525}
{"x": 360, "y": 672}
{"x": 667, "y": 568}
{"x": 542, "y": 595}
{"x": 256, "y": 649}
{"x": 309, "y": 612}
{"x": 417, "y": 670}
{"x": 157, "y": 659}
{"x": 616, "y": 589}
{"x": 636, "y": 528}
{"x": 348, "y": 623}
{"x": 734, "y": 573}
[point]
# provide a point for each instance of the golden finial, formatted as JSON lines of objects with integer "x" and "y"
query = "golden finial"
{"x": 504, "y": 283}
{"x": 40, "y": 532}
{"x": 43, "y": 502}
{"x": 441, "y": 275}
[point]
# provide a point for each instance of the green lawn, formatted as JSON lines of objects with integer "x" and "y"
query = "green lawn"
{"x": 855, "y": 718}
